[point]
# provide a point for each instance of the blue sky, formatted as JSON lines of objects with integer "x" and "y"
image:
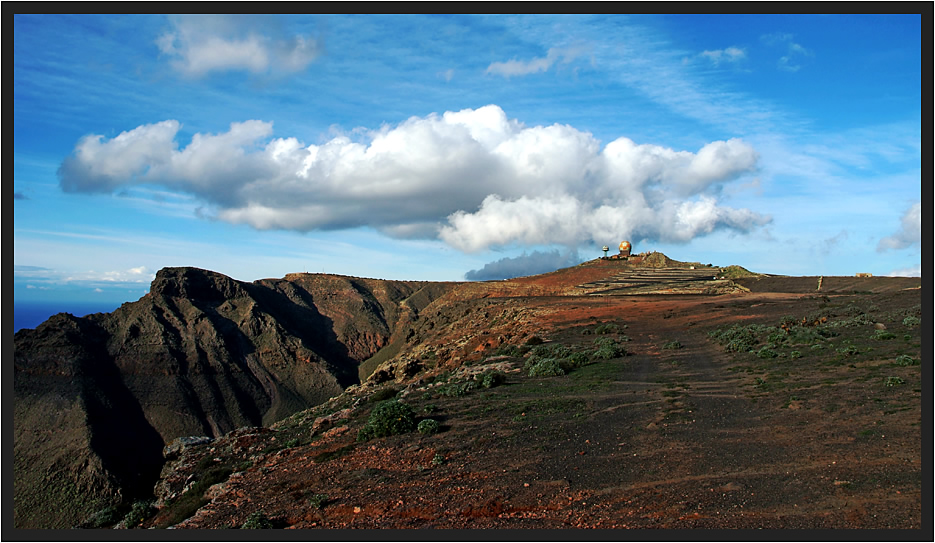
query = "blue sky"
{"x": 440, "y": 147}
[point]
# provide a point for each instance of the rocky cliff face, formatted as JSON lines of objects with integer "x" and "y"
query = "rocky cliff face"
{"x": 97, "y": 398}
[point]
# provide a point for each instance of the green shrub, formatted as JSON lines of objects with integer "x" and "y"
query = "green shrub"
{"x": 736, "y": 338}
{"x": 675, "y": 344}
{"x": 893, "y": 381}
{"x": 509, "y": 350}
{"x": 766, "y": 352}
{"x": 139, "y": 512}
{"x": 438, "y": 460}
{"x": 883, "y": 335}
{"x": 911, "y": 321}
{"x": 848, "y": 350}
{"x": 606, "y": 328}
{"x": 388, "y": 418}
{"x": 257, "y": 521}
{"x": 546, "y": 367}
{"x": 428, "y": 427}
{"x": 795, "y": 354}
{"x": 607, "y": 349}
{"x": 491, "y": 379}
{"x": 104, "y": 518}
{"x": 906, "y": 360}
{"x": 456, "y": 390}
{"x": 577, "y": 360}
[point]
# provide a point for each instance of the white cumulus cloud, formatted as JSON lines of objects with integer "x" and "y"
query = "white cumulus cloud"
{"x": 910, "y": 232}
{"x": 473, "y": 178}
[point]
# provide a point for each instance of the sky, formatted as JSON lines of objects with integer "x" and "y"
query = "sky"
{"x": 447, "y": 148}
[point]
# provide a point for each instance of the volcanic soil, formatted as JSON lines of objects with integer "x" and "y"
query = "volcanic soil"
{"x": 815, "y": 424}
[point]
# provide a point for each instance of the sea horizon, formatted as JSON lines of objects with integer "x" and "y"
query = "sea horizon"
{"x": 33, "y": 313}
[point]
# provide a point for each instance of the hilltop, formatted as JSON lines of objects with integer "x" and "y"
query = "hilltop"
{"x": 610, "y": 394}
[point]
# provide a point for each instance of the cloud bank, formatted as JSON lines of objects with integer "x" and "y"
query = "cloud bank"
{"x": 526, "y": 264}
{"x": 472, "y": 178}
{"x": 200, "y": 44}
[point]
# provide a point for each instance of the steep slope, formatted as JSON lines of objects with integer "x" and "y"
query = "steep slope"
{"x": 97, "y": 398}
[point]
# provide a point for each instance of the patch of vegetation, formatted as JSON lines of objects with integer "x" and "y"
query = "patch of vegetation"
{"x": 438, "y": 460}
{"x": 384, "y": 394}
{"x": 795, "y": 354}
{"x": 457, "y": 390}
{"x": 509, "y": 350}
{"x": 736, "y": 338}
{"x": 545, "y": 367}
{"x": 674, "y": 344}
{"x": 905, "y": 360}
{"x": 105, "y": 518}
{"x": 428, "y": 427}
{"x": 388, "y": 418}
{"x": 491, "y": 379}
{"x": 911, "y": 321}
{"x": 193, "y": 499}
{"x": 318, "y": 501}
{"x": 882, "y": 335}
{"x": 606, "y": 328}
{"x": 893, "y": 381}
{"x": 608, "y": 348}
{"x": 848, "y": 350}
{"x": 766, "y": 353}
{"x": 257, "y": 521}
{"x": 139, "y": 512}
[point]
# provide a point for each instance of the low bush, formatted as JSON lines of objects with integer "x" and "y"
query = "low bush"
{"x": 607, "y": 349}
{"x": 893, "y": 381}
{"x": 883, "y": 335}
{"x": 606, "y": 328}
{"x": 456, "y": 390}
{"x": 766, "y": 353}
{"x": 545, "y": 367}
{"x": 735, "y": 339}
{"x": 905, "y": 360}
{"x": 139, "y": 512}
{"x": 388, "y": 418}
{"x": 675, "y": 344}
{"x": 428, "y": 427}
{"x": 257, "y": 521}
{"x": 911, "y": 321}
{"x": 491, "y": 379}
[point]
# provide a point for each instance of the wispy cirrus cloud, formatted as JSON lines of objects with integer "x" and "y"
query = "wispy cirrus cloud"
{"x": 200, "y": 44}
{"x": 515, "y": 68}
{"x": 790, "y": 61}
{"x": 729, "y": 55}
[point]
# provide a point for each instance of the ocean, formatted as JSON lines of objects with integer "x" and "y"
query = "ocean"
{"x": 32, "y": 314}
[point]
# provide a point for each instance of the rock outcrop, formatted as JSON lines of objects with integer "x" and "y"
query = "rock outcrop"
{"x": 97, "y": 398}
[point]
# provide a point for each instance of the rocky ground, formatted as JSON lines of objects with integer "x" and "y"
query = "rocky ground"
{"x": 806, "y": 414}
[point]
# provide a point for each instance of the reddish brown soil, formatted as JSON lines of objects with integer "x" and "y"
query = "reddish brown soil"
{"x": 693, "y": 437}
